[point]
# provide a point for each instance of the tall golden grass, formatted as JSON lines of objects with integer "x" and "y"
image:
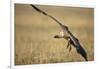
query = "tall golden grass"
{"x": 34, "y": 32}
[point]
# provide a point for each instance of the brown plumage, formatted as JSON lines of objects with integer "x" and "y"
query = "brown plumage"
{"x": 66, "y": 34}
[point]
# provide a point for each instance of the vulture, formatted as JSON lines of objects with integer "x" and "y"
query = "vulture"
{"x": 66, "y": 34}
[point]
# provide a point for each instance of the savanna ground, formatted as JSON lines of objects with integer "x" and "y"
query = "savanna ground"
{"x": 34, "y": 32}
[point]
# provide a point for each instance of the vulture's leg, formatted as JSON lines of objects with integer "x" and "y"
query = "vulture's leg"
{"x": 70, "y": 48}
{"x": 69, "y": 44}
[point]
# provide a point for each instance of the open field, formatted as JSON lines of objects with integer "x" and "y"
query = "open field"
{"x": 34, "y": 32}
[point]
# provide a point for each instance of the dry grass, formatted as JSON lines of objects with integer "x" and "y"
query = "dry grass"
{"x": 34, "y": 42}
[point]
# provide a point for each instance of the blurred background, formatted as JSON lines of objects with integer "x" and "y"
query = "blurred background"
{"x": 34, "y": 32}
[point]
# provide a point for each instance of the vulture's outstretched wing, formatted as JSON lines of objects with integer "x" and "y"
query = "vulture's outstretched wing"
{"x": 80, "y": 50}
{"x": 44, "y": 13}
